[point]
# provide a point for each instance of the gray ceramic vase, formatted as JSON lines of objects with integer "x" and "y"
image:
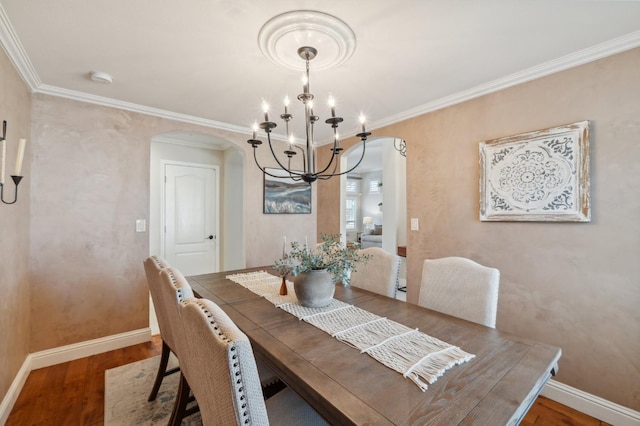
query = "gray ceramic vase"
{"x": 314, "y": 289}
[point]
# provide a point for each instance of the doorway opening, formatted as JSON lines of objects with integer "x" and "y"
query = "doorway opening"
{"x": 198, "y": 151}
{"x": 373, "y": 200}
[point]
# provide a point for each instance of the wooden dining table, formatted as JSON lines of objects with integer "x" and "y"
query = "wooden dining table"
{"x": 497, "y": 387}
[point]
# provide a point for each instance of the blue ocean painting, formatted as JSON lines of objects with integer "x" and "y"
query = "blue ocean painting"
{"x": 285, "y": 195}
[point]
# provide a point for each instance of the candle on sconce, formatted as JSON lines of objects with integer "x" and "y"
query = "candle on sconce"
{"x": 255, "y": 129}
{"x": 286, "y": 105}
{"x": 4, "y": 159}
{"x": 265, "y": 109}
{"x": 305, "y": 83}
{"x": 20, "y": 157}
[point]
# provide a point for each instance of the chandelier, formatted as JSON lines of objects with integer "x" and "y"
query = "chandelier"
{"x": 306, "y": 169}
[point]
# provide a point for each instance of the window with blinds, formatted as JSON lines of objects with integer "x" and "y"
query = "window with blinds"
{"x": 374, "y": 185}
{"x": 351, "y": 213}
{"x": 353, "y": 186}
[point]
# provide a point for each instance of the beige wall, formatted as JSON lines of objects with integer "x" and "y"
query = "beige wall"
{"x": 574, "y": 285}
{"x": 15, "y": 106}
{"x": 71, "y": 266}
{"x": 90, "y": 183}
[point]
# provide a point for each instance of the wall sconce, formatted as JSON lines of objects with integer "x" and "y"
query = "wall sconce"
{"x": 16, "y": 177}
{"x": 401, "y": 146}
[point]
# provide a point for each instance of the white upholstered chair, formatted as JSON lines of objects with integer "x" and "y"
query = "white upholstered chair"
{"x": 380, "y": 274}
{"x": 152, "y": 267}
{"x": 460, "y": 287}
{"x": 227, "y": 386}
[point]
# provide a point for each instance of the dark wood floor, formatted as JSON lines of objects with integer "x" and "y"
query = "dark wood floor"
{"x": 72, "y": 393}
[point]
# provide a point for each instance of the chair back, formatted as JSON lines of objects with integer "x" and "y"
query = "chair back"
{"x": 174, "y": 289}
{"x": 460, "y": 287}
{"x": 226, "y": 384}
{"x": 380, "y": 274}
{"x": 152, "y": 267}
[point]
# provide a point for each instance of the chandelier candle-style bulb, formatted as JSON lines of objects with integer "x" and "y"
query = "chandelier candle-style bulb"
{"x": 307, "y": 170}
{"x": 362, "y": 121}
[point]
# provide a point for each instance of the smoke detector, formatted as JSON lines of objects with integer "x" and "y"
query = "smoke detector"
{"x": 101, "y": 77}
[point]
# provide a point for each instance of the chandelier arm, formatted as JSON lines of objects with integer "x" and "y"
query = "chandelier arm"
{"x": 278, "y": 160}
{"x": 334, "y": 151}
{"x": 364, "y": 146}
{"x": 293, "y": 178}
{"x": 264, "y": 170}
{"x": 333, "y": 173}
{"x": 333, "y": 156}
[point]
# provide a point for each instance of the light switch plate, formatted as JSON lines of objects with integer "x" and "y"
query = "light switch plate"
{"x": 141, "y": 225}
{"x": 415, "y": 225}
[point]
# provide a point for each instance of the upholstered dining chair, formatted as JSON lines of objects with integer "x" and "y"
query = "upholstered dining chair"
{"x": 152, "y": 266}
{"x": 380, "y": 274}
{"x": 460, "y": 287}
{"x": 174, "y": 289}
{"x": 227, "y": 386}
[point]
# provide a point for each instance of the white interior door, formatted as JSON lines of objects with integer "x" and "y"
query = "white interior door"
{"x": 190, "y": 218}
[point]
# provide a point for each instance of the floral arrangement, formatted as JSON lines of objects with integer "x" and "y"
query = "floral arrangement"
{"x": 339, "y": 260}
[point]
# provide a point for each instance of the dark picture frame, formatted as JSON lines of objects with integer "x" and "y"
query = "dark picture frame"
{"x": 284, "y": 195}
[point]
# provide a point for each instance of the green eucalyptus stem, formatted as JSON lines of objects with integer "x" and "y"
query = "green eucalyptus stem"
{"x": 339, "y": 260}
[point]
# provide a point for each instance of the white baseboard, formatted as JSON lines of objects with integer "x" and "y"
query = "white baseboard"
{"x": 90, "y": 347}
{"x": 14, "y": 390}
{"x": 592, "y": 405}
{"x": 67, "y": 353}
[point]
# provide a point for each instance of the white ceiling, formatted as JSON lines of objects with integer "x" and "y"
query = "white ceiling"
{"x": 199, "y": 60}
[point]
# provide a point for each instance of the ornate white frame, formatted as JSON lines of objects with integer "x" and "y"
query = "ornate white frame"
{"x": 537, "y": 176}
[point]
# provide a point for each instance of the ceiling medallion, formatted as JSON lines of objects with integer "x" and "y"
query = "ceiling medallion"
{"x": 281, "y": 37}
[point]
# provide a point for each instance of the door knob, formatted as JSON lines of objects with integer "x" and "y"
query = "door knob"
{"x": 210, "y": 237}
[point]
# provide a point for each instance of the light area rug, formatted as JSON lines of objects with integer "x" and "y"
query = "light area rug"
{"x": 126, "y": 391}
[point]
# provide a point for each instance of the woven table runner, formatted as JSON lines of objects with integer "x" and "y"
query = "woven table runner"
{"x": 410, "y": 352}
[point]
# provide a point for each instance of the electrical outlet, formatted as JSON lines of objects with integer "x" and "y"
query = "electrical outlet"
{"x": 415, "y": 225}
{"x": 141, "y": 225}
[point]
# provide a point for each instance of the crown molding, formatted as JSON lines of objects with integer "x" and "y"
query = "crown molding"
{"x": 219, "y": 146}
{"x": 13, "y": 47}
{"x": 16, "y": 53}
{"x": 141, "y": 109}
{"x": 128, "y": 106}
{"x": 575, "y": 59}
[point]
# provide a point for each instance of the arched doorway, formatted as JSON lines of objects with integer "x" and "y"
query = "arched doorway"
{"x": 375, "y": 193}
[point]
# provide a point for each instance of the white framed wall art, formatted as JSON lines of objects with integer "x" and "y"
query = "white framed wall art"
{"x": 537, "y": 176}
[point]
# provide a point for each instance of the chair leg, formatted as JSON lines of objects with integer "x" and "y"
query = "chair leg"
{"x": 180, "y": 406}
{"x": 164, "y": 359}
